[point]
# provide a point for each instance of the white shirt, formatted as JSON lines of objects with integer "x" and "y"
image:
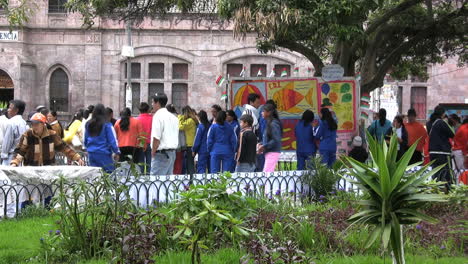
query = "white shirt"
{"x": 3, "y": 124}
{"x": 399, "y": 133}
{"x": 250, "y": 110}
{"x": 165, "y": 128}
{"x": 15, "y": 128}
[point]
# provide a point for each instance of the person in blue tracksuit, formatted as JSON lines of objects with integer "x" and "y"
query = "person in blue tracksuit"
{"x": 305, "y": 140}
{"x": 100, "y": 140}
{"x": 325, "y": 131}
{"x": 222, "y": 144}
{"x": 231, "y": 119}
{"x": 199, "y": 146}
{"x": 378, "y": 129}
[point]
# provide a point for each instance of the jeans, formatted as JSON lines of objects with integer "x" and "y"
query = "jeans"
{"x": 218, "y": 159}
{"x": 163, "y": 163}
{"x": 303, "y": 159}
{"x": 6, "y": 162}
{"x": 203, "y": 161}
{"x": 328, "y": 157}
{"x": 104, "y": 161}
{"x": 245, "y": 167}
{"x": 145, "y": 157}
{"x": 271, "y": 159}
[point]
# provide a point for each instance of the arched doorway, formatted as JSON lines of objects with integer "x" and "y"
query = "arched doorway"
{"x": 6, "y": 88}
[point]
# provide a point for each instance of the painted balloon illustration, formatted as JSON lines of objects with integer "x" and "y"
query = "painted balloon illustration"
{"x": 325, "y": 88}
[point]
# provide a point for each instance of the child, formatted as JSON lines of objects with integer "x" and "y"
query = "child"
{"x": 199, "y": 146}
{"x": 246, "y": 155}
{"x": 358, "y": 152}
{"x": 221, "y": 144}
{"x": 271, "y": 143}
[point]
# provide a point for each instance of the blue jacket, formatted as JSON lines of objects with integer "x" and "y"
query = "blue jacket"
{"x": 105, "y": 143}
{"x": 305, "y": 140}
{"x": 199, "y": 145}
{"x": 261, "y": 127}
{"x": 221, "y": 139}
{"x": 272, "y": 141}
{"x": 327, "y": 137}
{"x": 378, "y": 131}
{"x": 235, "y": 127}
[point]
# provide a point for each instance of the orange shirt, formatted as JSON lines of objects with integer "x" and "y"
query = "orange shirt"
{"x": 460, "y": 141}
{"x": 416, "y": 131}
{"x": 129, "y": 138}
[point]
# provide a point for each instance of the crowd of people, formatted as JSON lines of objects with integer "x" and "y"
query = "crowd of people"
{"x": 163, "y": 141}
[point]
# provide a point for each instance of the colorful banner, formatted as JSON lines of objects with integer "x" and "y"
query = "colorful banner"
{"x": 294, "y": 96}
{"x": 340, "y": 97}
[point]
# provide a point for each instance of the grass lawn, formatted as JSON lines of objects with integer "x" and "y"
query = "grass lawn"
{"x": 19, "y": 239}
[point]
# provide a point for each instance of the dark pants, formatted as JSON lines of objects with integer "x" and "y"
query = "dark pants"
{"x": 444, "y": 174}
{"x": 203, "y": 162}
{"x": 328, "y": 157}
{"x": 417, "y": 157}
{"x": 303, "y": 158}
{"x": 260, "y": 162}
{"x": 104, "y": 161}
{"x": 145, "y": 157}
{"x": 218, "y": 160}
{"x": 130, "y": 154}
{"x": 189, "y": 163}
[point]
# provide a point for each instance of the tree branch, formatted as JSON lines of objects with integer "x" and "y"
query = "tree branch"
{"x": 395, "y": 11}
{"x": 307, "y": 52}
{"x": 395, "y": 55}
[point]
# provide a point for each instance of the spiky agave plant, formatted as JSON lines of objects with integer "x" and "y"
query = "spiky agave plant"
{"x": 395, "y": 194}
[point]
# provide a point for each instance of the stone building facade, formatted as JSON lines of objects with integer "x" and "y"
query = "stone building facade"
{"x": 55, "y": 62}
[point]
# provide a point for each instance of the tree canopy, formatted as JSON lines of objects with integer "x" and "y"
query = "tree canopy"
{"x": 370, "y": 37}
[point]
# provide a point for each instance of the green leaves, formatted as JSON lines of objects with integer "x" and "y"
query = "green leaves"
{"x": 394, "y": 194}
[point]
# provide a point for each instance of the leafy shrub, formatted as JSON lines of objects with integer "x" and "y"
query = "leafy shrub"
{"x": 210, "y": 215}
{"x": 321, "y": 179}
{"x": 34, "y": 210}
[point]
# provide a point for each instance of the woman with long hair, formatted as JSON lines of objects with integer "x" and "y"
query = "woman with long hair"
{"x": 325, "y": 130}
{"x": 305, "y": 140}
{"x": 54, "y": 123}
{"x": 100, "y": 140}
{"x": 379, "y": 127}
{"x": 72, "y": 133}
{"x": 199, "y": 146}
{"x": 222, "y": 144}
{"x": 188, "y": 124}
{"x": 402, "y": 135}
{"x": 130, "y": 136}
{"x": 271, "y": 143}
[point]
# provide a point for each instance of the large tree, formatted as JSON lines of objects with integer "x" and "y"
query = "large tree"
{"x": 367, "y": 36}
{"x": 373, "y": 37}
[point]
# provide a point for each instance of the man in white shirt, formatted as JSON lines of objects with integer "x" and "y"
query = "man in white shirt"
{"x": 15, "y": 128}
{"x": 3, "y": 124}
{"x": 251, "y": 108}
{"x": 164, "y": 137}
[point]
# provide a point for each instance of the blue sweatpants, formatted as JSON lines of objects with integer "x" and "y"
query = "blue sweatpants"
{"x": 203, "y": 160}
{"x": 303, "y": 158}
{"x": 218, "y": 159}
{"x": 104, "y": 161}
{"x": 328, "y": 157}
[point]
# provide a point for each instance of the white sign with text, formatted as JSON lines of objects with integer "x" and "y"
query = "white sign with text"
{"x": 9, "y": 35}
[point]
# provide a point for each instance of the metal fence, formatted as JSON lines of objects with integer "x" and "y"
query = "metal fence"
{"x": 146, "y": 190}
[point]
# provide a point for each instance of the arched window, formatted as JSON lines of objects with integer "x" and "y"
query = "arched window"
{"x": 57, "y": 6}
{"x": 59, "y": 91}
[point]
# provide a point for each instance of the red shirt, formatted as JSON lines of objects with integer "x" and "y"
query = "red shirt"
{"x": 129, "y": 138}
{"x": 416, "y": 131}
{"x": 146, "y": 121}
{"x": 460, "y": 141}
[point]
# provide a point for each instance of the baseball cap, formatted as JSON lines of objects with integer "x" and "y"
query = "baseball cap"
{"x": 38, "y": 118}
{"x": 357, "y": 141}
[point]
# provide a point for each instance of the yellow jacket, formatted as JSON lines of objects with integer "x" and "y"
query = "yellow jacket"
{"x": 190, "y": 128}
{"x": 71, "y": 131}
